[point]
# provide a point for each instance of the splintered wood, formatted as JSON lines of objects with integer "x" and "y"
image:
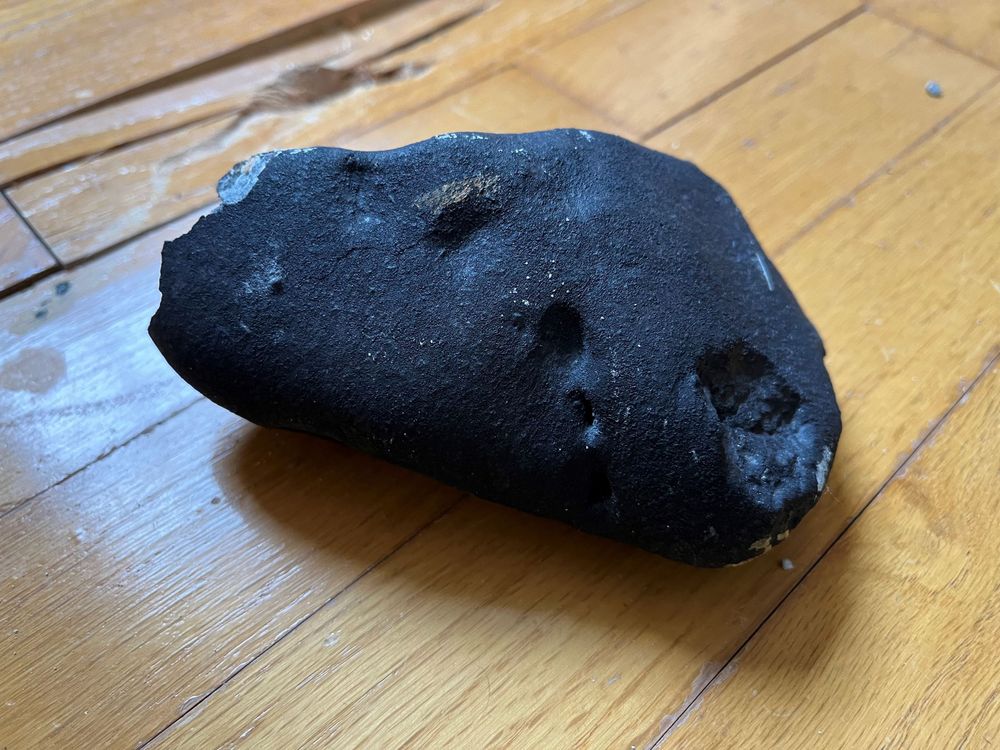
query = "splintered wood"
{"x": 174, "y": 577}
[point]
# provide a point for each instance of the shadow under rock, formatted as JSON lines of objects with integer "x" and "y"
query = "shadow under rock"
{"x": 338, "y": 502}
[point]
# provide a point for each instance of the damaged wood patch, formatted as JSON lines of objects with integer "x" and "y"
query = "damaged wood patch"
{"x": 135, "y": 187}
{"x": 350, "y": 44}
{"x": 58, "y": 74}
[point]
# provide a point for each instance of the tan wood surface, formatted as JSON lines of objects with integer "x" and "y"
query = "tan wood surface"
{"x": 806, "y": 132}
{"x": 653, "y": 63}
{"x": 173, "y": 577}
{"x": 63, "y": 55}
{"x": 512, "y": 99}
{"x": 322, "y": 64}
{"x": 206, "y": 566}
{"x": 79, "y": 375}
{"x": 972, "y": 26}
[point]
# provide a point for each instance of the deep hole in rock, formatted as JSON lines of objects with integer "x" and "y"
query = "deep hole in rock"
{"x": 560, "y": 331}
{"x": 452, "y": 228}
{"x": 745, "y": 390}
{"x": 582, "y": 405}
{"x": 354, "y": 163}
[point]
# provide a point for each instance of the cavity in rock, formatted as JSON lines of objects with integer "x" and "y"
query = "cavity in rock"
{"x": 564, "y": 322}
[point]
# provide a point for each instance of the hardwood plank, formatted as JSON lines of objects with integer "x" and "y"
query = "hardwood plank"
{"x": 798, "y": 137}
{"x": 905, "y": 647}
{"x": 89, "y": 205}
{"x": 343, "y": 47}
{"x": 134, "y": 588}
{"x": 970, "y": 25}
{"x": 496, "y": 628}
{"x": 491, "y": 629}
{"x": 73, "y": 53}
{"x": 510, "y": 98}
{"x": 22, "y": 256}
{"x": 642, "y": 79}
{"x": 78, "y": 374}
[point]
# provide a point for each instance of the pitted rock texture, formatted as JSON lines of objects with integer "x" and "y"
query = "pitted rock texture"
{"x": 564, "y": 322}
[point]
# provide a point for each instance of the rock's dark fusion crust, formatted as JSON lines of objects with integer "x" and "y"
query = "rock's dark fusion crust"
{"x": 564, "y": 322}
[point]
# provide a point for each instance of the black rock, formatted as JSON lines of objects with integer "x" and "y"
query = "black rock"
{"x": 564, "y": 322}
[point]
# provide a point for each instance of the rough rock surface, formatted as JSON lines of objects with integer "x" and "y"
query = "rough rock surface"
{"x": 564, "y": 322}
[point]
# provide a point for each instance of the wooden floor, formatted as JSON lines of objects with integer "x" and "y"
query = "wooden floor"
{"x": 173, "y": 577}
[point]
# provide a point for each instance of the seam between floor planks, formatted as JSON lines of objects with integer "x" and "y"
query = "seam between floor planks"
{"x": 928, "y": 34}
{"x": 136, "y": 141}
{"x": 30, "y": 280}
{"x": 106, "y": 454}
{"x": 754, "y": 72}
{"x": 967, "y": 393}
{"x": 73, "y": 265}
{"x": 295, "y": 626}
{"x": 883, "y": 169}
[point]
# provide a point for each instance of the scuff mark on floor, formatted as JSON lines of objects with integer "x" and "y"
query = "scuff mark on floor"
{"x": 308, "y": 85}
{"x": 340, "y": 43}
{"x": 302, "y": 88}
{"x": 711, "y": 674}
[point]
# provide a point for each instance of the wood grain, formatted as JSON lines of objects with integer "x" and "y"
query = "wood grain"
{"x": 78, "y": 374}
{"x": 550, "y": 638}
{"x": 88, "y": 206}
{"x": 348, "y": 45}
{"x": 22, "y": 256}
{"x": 510, "y": 100}
{"x": 891, "y": 640}
{"x": 969, "y": 25}
{"x": 642, "y": 79}
{"x": 134, "y": 588}
{"x": 546, "y": 637}
{"x": 786, "y": 144}
{"x": 73, "y": 53}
